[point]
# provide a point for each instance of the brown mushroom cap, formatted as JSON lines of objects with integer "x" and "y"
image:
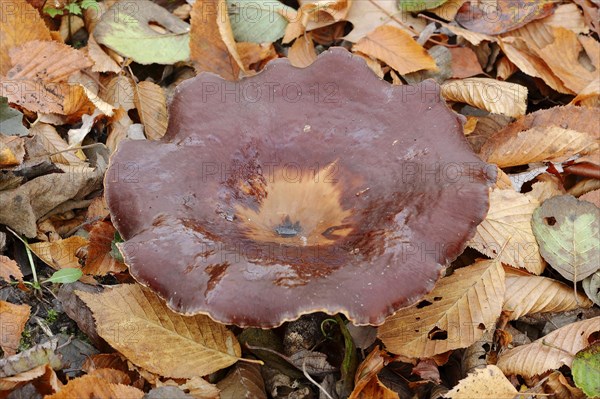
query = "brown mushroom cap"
{"x": 296, "y": 191}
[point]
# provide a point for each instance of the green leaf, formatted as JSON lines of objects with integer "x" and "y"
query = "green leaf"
{"x": 125, "y": 29}
{"x": 419, "y": 5}
{"x": 11, "y": 120}
{"x": 586, "y": 370}
{"x": 65, "y": 276}
{"x": 568, "y": 232}
{"x": 114, "y": 249}
{"x": 85, "y": 4}
{"x": 53, "y": 12}
{"x": 258, "y": 21}
{"x": 73, "y": 8}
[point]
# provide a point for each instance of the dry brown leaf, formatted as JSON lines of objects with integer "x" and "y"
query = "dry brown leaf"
{"x": 495, "y": 96}
{"x": 302, "y": 53}
{"x": 448, "y": 10}
{"x": 589, "y": 96}
{"x": 19, "y": 23}
{"x": 534, "y": 294}
{"x": 592, "y": 196}
{"x": 60, "y": 254}
{"x": 119, "y": 92}
{"x": 139, "y": 324}
{"x": 212, "y": 46}
{"x": 102, "y": 61}
{"x": 538, "y": 144}
{"x": 396, "y": 48}
{"x": 506, "y": 235}
{"x": 91, "y": 386}
{"x": 151, "y": 103}
{"x": 454, "y": 315}
{"x": 505, "y": 68}
{"x": 43, "y": 378}
{"x": 567, "y": 16}
{"x": 101, "y": 105}
{"x": 551, "y": 351}
{"x": 474, "y": 38}
{"x": 547, "y": 186}
{"x": 255, "y": 55}
{"x": 561, "y": 389}
{"x": 54, "y": 145}
{"x": 366, "y": 382}
{"x": 12, "y": 322}
{"x": 9, "y": 268}
{"x": 99, "y": 262}
{"x": 464, "y": 63}
{"x": 243, "y": 381}
{"x": 487, "y": 383}
{"x": 503, "y": 181}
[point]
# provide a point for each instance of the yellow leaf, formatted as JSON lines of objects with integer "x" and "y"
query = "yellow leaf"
{"x": 506, "y": 234}
{"x": 151, "y": 103}
{"x": 487, "y": 383}
{"x": 396, "y": 48}
{"x": 302, "y": 53}
{"x": 139, "y": 324}
{"x": 60, "y": 254}
{"x": 551, "y": 351}
{"x": 92, "y": 386}
{"x": 538, "y": 144}
{"x": 454, "y": 315}
{"x": 503, "y": 98}
{"x": 534, "y": 294}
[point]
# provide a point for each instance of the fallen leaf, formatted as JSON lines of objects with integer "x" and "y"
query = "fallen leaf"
{"x": 11, "y": 120}
{"x": 42, "y": 372}
{"x": 19, "y": 23}
{"x": 12, "y": 323}
{"x": 486, "y": 383}
{"x": 56, "y": 147}
{"x": 76, "y": 136}
{"x": 125, "y": 28}
{"x": 91, "y": 386}
{"x": 302, "y": 53}
{"x": 547, "y": 186}
{"x": 151, "y": 103}
{"x": 366, "y": 383}
{"x": 591, "y": 287}
{"x": 243, "y": 381}
{"x": 9, "y": 268}
{"x": 589, "y": 96}
{"x": 502, "y": 16}
{"x": 414, "y": 6}
{"x": 549, "y": 352}
{"x": 495, "y": 96}
{"x": 396, "y": 48}
{"x": 212, "y": 44}
{"x": 586, "y": 370}
{"x": 99, "y": 261}
{"x": 506, "y": 235}
{"x": 254, "y": 55}
{"x": 567, "y": 16}
{"x": 464, "y": 63}
{"x": 60, "y": 254}
{"x": 527, "y": 295}
{"x": 562, "y": 388}
{"x": 258, "y": 21}
{"x": 568, "y": 232}
{"x": 102, "y": 61}
{"x": 39, "y": 355}
{"x": 138, "y": 324}
{"x": 474, "y": 38}
{"x": 454, "y": 315}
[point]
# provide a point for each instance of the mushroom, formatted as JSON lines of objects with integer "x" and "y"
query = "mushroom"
{"x": 296, "y": 191}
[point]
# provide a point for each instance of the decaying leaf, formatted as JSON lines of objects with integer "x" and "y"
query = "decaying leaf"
{"x": 495, "y": 96}
{"x": 261, "y": 21}
{"x": 60, "y": 254}
{"x": 551, "y": 351}
{"x": 42, "y": 376}
{"x": 212, "y": 44}
{"x": 56, "y": 147}
{"x": 487, "y": 383}
{"x": 243, "y": 381}
{"x": 534, "y": 294}
{"x": 454, "y": 315}
{"x": 99, "y": 261}
{"x": 125, "y": 28}
{"x": 366, "y": 383}
{"x": 506, "y": 234}
{"x": 96, "y": 387}
{"x": 396, "y": 48}
{"x": 586, "y": 370}
{"x": 29, "y": 359}
{"x": 591, "y": 287}
{"x": 19, "y": 23}
{"x": 568, "y": 232}
{"x": 9, "y": 268}
{"x": 12, "y": 322}
{"x": 151, "y": 103}
{"x": 138, "y": 324}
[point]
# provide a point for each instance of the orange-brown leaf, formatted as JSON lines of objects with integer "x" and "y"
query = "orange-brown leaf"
{"x": 90, "y": 386}
{"x": 99, "y": 262}
{"x": 151, "y": 103}
{"x": 366, "y": 382}
{"x": 8, "y": 268}
{"x": 60, "y": 254}
{"x": 12, "y": 322}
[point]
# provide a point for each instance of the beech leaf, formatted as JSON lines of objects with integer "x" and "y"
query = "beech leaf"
{"x": 586, "y": 370}
{"x": 487, "y": 383}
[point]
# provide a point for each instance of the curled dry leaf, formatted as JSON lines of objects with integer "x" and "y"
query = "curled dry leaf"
{"x": 12, "y": 322}
{"x": 60, "y": 254}
{"x": 366, "y": 383}
{"x": 9, "y": 268}
{"x": 19, "y": 23}
{"x": 99, "y": 261}
{"x": 138, "y": 324}
{"x": 212, "y": 45}
{"x": 243, "y": 381}
{"x": 38, "y": 355}
{"x": 454, "y": 315}
{"x": 396, "y": 48}
{"x": 503, "y": 98}
{"x": 90, "y": 386}
{"x": 302, "y": 53}
{"x": 568, "y": 232}
{"x": 43, "y": 377}
{"x": 54, "y": 144}
{"x": 151, "y": 103}
{"x": 506, "y": 235}
{"x": 486, "y": 383}
{"x": 534, "y": 294}
{"x": 551, "y": 351}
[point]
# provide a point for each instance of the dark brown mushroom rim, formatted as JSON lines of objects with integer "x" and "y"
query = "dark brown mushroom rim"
{"x": 296, "y": 191}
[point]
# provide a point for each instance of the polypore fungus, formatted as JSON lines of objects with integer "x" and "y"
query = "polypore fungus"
{"x": 296, "y": 191}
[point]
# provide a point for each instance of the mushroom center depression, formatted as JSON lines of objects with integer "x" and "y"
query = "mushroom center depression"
{"x": 302, "y": 213}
